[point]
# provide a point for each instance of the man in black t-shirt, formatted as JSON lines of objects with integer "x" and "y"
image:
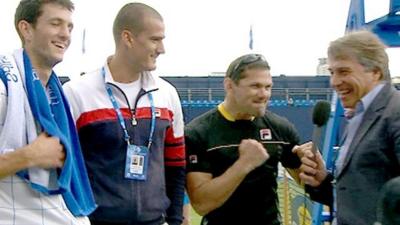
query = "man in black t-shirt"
{"x": 233, "y": 151}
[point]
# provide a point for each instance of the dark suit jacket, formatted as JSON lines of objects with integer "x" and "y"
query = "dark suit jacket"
{"x": 373, "y": 158}
{"x": 388, "y": 212}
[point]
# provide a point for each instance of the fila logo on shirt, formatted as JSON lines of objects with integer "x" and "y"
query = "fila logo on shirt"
{"x": 157, "y": 112}
{"x": 193, "y": 159}
{"x": 265, "y": 134}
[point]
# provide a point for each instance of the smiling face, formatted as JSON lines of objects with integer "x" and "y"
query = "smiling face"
{"x": 351, "y": 80}
{"x": 148, "y": 44}
{"x": 250, "y": 95}
{"x": 358, "y": 63}
{"x": 47, "y": 40}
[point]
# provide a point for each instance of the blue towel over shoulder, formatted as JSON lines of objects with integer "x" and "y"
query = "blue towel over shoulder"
{"x": 56, "y": 120}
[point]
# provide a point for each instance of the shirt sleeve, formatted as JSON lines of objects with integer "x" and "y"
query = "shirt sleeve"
{"x": 175, "y": 162}
{"x": 288, "y": 133}
{"x": 72, "y": 101}
{"x": 3, "y": 101}
{"x": 323, "y": 193}
{"x": 196, "y": 157}
{"x": 3, "y": 105}
{"x": 174, "y": 140}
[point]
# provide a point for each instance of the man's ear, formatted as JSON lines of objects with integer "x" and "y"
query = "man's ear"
{"x": 26, "y": 30}
{"x": 378, "y": 75}
{"x": 228, "y": 84}
{"x": 127, "y": 38}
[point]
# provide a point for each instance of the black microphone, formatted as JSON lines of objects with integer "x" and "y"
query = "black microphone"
{"x": 321, "y": 113}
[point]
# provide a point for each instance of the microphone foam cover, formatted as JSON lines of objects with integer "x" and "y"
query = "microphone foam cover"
{"x": 321, "y": 113}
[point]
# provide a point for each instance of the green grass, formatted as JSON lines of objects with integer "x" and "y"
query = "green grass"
{"x": 295, "y": 191}
{"x": 195, "y": 218}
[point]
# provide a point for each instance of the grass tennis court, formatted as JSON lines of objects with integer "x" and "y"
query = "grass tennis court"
{"x": 293, "y": 207}
{"x": 195, "y": 219}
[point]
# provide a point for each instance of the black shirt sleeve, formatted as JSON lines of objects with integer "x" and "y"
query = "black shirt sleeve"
{"x": 196, "y": 152}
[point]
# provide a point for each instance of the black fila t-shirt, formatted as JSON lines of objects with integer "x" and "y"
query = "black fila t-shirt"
{"x": 212, "y": 147}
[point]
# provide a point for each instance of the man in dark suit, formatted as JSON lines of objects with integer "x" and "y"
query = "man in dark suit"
{"x": 388, "y": 210}
{"x": 370, "y": 153}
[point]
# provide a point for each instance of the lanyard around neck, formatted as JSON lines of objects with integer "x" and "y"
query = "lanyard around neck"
{"x": 121, "y": 118}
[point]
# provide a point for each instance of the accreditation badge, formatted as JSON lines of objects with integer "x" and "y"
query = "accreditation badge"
{"x": 137, "y": 158}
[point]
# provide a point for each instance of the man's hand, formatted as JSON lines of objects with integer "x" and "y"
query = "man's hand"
{"x": 208, "y": 193}
{"x": 312, "y": 165}
{"x": 252, "y": 154}
{"x": 300, "y": 150}
{"x": 45, "y": 152}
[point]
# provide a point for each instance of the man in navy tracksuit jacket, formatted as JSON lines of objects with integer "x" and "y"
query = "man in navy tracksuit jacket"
{"x": 122, "y": 105}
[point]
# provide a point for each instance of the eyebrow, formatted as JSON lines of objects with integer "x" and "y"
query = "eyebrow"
{"x": 59, "y": 19}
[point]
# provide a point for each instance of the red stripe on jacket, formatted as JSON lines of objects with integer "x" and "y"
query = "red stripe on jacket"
{"x": 174, "y": 149}
{"x": 110, "y": 114}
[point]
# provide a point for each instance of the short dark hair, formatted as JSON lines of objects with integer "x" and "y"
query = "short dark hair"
{"x": 131, "y": 16}
{"x": 30, "y": 10}
{"x": 240, "y": 65}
